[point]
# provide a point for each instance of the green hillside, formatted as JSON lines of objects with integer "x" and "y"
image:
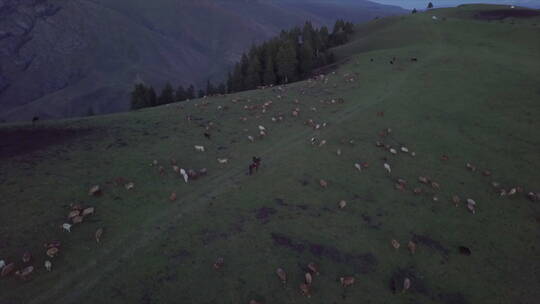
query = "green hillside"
{"x": 472, "y": 96}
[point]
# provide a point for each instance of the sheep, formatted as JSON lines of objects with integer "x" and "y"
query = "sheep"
{"x": 323, "y": 183}
{"x": 412, "y": 247}
{"x": 308, "y": 278}
{"x": 435, "y": 185}
{"x": 261, "y": 128}
{"x": 27, "y": 256}
{"x": 456, "y": 200}
{"x": 486, "y": 173}
{"x": 406, "y": 284}
{"x": 346, "y": 281}
{"x": 25, "y": 272}
{"x": 66, "y": 227}
{"x": 223, "y": 160}
{"x": 387, "y": 167}
{"x": 404, "y": 149}
{"x": 161, "y": 170}
{"x": 471, "y": 167}
{"x": 322, "y": 143}
{"x": 73, "y": 214}
{"x": 342, "y": 204}
{"x": 423, "y": 180}
{"x": 94, "y": 190}
{"x": 77, "y": 220}
{"x": 358, "y": 166}
{"x": 172, "y": 197}
{"x": 250, "y": 138}
{"x": 304, "y": 288}
{"x": 338, "y": 152}
{"x": 52, "y": 252}
{"x": 88, "y": 211}
{"x": 219, "y": 263}
{"x": 129, "y": 186}
{"x": 471, "y": 205}
{"x": 313, "y": 268}
{"x": 2, "y": 264}
{"x": 512, "y": 191}
{"x": 8, "y": 269}
{"x": 98, "y": 234}
{"x": 48, "y": 265}
{"x": 199, "y": 148}
{"x": 393, "y": 151}
{"x": 184, "y": 174}
{"x": 282, "y": 275}
{"x": 395, "y": 244}
{"x": 262, "y": 134}
{"x": 533, "y": 196}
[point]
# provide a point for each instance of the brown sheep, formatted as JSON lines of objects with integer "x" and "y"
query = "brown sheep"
{"x": 77, "y": 220}
{"x": 304, "y": 288}
{"x": 282, "y": 275}
{"x": 52, "y": 252}
{"x": 24, "y": 273}
{"x": 94, "y": 191}
{"x": 313, "y": 268}
{"x": 412, "y": 247}
{"x": 8, "y": 269}
{"x": 219, "y": 263}
{"x": 346, "y": 281}
{"x": 323, "y": 183}
{"x": 395, "y": 244}
{"x": 88, "y": 211}
{"x": 172, "y": 197}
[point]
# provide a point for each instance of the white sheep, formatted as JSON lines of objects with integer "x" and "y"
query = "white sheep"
{"x": 358, "y": 166}
{"x": 387, "y": 167}
{"x": 404, "y": 149}
{"x": 261, "y": 128}
{"x": 250, "y": 138}
{"x": 393, "y": 151}
{"x": 66, "y": 227}
{"x": 2, "y": 264}
{"x": 223, "y": 160}
{"x": 199, "y": 148}
{"x": 471, "y": 205}
{"x": 184, "y": 174}
{"x": 48, "y": 265}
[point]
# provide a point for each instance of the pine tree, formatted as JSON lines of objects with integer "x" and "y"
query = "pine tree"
{"x": 237, "y": 79}
{"x": 414, "y": 11}
{"x": 167, "y": 95}
{"x": 138, "y": 97}
{"x": 190, "y": 93}
{"x": 210, "y": 90}
{"x": 269, "y": 76}
{"x": 253, "y": 74}
{"x": 150, "y": 97}
{"x": 287, "y": 63}
{"x": 325, "y": 38}
{"x": 201, "y": 93}
{"x": 307, "y": 59}
{"x": 229, "y": 83}
{"x": 430, "y": 5}
{"x": 180, "y": 94}
{"x": 222, "y": 88}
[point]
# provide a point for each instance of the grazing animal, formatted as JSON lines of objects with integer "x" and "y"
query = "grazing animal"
{"x": 323, "y": 183}
{"x": 25, "y": 272}
{"x": 346, "y": 281}
{"x": 313, "y": 268}
{"x": 471, "y": 205}
{"x": 395, "y": 244}
{"x": 338, "y": 152}
{"x": 77, "y": 220}
{"x": 129, "y": 186}
{"x": 73, "y": 214}
{"x": 2, "y": 264}
{"x": 404, "y": 149}
{"x": 219, "y": 263}
{"x": 250, "y": 138}
{"x": 282, "y": 275}
{"x": 52, "y": 252}
{"x": 184, "y": 174}
{"x": 27, "y": 256}
{"x": 486, "y": 173}
{"x": 223, "y": 160}
{"x": 423, "y": 180}
{"x": 387, "y": 167}
{"x": 322, "y": 143}
{"x": 393, "y": 151}
{"x": 342, "y": 204}
{"x": 308, "y": 278}
{"x": 207, "y": 135}
{"x": 456, "y": 200}
{"x": 471, "y": 167}
{"x": 8, "y": 269}
{"x": 412, "y": 247}
{"x": 66, "y": 227}
{"x": 406, "y": 284}
{"x": 172, "y": 197}
{"x": 94, "y": 190}
{"x": 48, "y": 265}
{"x": 199, "y": 148}
{"x": 435, "y": 185}
{"x": 161, "y": 170}
{"x": 417, "y": 190}
{"x": 445, "y": 157}
{"x": 358, "y": 166}
{"x": 98, "y": 235}
{"x": 304, "y": 288}
{"x": 414, "y": 59}
{"x": 261, "y": 128}
{"x": 88, "y": 211}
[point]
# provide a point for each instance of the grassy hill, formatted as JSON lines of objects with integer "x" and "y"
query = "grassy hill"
{"x": 472, "y": 95}
{"x": 66, "y": 59}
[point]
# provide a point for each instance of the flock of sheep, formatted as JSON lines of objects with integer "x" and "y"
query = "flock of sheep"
{"x": 78, "y": 213}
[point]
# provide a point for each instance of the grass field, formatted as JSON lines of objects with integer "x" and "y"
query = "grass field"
{"x": 473, "y": 95}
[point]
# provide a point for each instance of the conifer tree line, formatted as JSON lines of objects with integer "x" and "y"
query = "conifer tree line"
{"x": 289, "y": 57}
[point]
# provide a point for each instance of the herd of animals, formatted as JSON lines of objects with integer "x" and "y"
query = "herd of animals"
{"x": 24, "y": 267}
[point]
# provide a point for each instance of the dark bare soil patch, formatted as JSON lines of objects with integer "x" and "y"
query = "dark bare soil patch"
{"x": 506, "y": 13}
{"x": 431, "y": 243}
{"x": 263, "y": 214}
{"x": 20, "y": 141}
{"x": 361, "y": 263}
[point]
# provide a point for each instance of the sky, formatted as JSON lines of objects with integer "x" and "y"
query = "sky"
{"x": 441, "y": 3}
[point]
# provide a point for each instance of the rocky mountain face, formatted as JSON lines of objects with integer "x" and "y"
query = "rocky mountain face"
{"x": 63, "y": 58}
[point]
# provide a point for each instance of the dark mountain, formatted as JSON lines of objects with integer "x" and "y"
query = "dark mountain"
{"x": 68, "y": 58}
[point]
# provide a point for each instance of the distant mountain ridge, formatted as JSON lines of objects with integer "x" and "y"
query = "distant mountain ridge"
{"x": 70, "y": 58}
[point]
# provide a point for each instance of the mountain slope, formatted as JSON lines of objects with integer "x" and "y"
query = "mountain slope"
{"x": 68, "y": 58}
{"x": 470, "y": 97}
